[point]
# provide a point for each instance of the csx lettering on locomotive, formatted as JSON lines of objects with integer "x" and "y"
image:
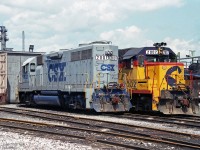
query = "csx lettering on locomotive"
{"x": 56, "y": 72}
{"x": 107, "y": 67}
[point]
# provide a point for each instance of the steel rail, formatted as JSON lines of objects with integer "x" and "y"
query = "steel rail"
{"x": 140, "y": 137}
{"x": 62, "y": 134}
{"x": 163, "y": 120}
{"x": 90, "y": 119}
{"x": 178, "y": 118}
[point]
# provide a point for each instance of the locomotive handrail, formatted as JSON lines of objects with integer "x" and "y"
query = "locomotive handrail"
{"x": 86, "y": 82}
{"x": 32, "y": 81}
{"x": 99, "y": 78}
{"x": 126, "y": 87}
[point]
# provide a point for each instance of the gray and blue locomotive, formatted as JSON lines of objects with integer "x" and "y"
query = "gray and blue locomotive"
{"x": 82, "y": 78}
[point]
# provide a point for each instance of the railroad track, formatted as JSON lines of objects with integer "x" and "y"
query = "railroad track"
{"x": 186, "y": 117}
{"x": 193, "y": 122}
{"x": 117, "y": 129}
{"x": 60, "y": 130}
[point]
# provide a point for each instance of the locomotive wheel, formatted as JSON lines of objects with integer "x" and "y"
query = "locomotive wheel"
{"x": 22, "y": 98}
{"x": 62, "y": 102}
{"x": 32, "y": 103}
{"x": 78, "y": 105}
{"x": 27, "y": 100}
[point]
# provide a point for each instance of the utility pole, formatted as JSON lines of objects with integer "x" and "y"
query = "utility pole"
{"x": 178, "y": 56}
{"x": 23, "y": 41}
{"x": 192, "y": 53}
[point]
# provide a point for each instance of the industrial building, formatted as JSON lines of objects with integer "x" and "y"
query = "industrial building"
{"x": 10, "y": 67}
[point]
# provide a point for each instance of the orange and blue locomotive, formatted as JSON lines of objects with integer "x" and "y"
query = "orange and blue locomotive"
{"x": 155, "y": 80}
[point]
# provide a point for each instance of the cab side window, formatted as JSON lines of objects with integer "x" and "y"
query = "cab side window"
{"x": 25, "y": 71}
{"x": 141, "y": 60}
{"x": 32, "y": 67}
{"x": 25, "y": 68}
{"x": 129, "y": 63}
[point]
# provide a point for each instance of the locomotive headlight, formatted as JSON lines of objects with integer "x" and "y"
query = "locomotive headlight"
{"x": 101, "y": 94}
{"x": 180, "y": 97}
{"x": 109, "y": 53}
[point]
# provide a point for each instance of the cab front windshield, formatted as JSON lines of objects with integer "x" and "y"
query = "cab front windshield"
{"x": 161, "y": 58}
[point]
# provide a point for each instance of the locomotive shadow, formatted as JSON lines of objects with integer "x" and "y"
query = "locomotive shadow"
{"x": 59, "y": 109}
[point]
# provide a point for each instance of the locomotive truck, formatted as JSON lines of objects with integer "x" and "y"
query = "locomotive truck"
{"x": 81, "y": 78}
{"x": 155, "y": 80}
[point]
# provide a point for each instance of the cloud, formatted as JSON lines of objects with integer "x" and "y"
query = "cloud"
{"x": 5, "y": 9}
{"x": 134, "y": 36}
{"x": 126, "y": 37}
{"x": 98, "y": 6}
{"x": 73, "y": 21}
{"x": 145, "y": 5}
{"x": 183, "y": 46}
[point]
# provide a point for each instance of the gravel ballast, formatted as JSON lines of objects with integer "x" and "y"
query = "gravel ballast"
{"x": 12, "y": 141}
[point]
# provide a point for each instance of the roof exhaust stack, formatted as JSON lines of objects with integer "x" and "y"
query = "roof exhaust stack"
{"x": 31, "y": 48}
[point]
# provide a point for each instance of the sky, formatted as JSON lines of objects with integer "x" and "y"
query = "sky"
{"x": 51, "y": 25}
